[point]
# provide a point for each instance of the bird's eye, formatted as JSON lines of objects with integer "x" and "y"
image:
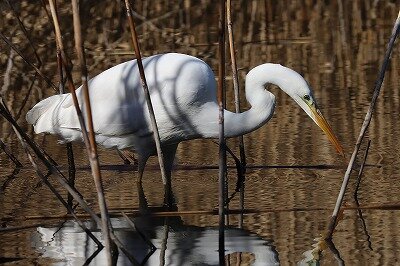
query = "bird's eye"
{"x": 306, "y": 97}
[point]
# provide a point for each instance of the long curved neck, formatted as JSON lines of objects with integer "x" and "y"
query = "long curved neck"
{"x": 262, "y": 101}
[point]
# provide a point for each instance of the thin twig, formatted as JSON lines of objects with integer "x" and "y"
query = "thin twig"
{"x": 364, "y": 127}
{"x": 221, "y": 139}
{"x": 165, "y": 178}
{"x": 43, "y": 76}
{"x": 10, "y": 155}
{"x": 21, "y": 25}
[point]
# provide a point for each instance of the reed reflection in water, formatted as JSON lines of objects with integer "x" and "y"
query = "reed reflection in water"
{"x": 341, "y": 65}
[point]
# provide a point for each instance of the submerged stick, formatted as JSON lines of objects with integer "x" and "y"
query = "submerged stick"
{"x": 221, "y": 139}
{"x": 165, "y": 178}
{"x": 237, "y": 106}
{"x": 92, "y": 152}
{"x": 364, "y": 127}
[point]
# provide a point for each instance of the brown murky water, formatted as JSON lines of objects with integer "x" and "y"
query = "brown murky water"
{"x": 294, "y": 174}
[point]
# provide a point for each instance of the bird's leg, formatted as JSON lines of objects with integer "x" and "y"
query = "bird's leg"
{"x": 143, "y": 204}
{"x": 169, "y": 155}
{"x": 142, "y": 160}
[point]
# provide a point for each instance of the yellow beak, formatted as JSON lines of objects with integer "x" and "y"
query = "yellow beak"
{"x": 323, "y": 124}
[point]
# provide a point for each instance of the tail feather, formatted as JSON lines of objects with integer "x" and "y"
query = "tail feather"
{"x": 40, "y": 110}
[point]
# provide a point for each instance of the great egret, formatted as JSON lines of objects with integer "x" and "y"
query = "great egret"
{"x": 183, "y": 93}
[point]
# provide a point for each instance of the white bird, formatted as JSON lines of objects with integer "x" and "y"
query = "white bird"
{"x": 183, "y": 93}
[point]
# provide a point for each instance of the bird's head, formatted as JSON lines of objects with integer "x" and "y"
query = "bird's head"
{"x": 304, "y": 97}
{"x": 296, "y": 87}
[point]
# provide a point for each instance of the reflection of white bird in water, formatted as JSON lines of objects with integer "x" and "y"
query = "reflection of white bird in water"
{"x": 183, "y": 93}
{"x": 177, "y": 244}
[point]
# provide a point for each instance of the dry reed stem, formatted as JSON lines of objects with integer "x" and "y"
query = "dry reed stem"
{"x": 67, "y": 67}
{"x": 221, "y": 139}
{"x": 69, "y": 148}
{"x": 237, "y": 106}
{"x": 71, "y": 88}
{"x": 367, "y": 120}
{"x": 360, "y": 214}
{"x": 92, "y": 152}
{"x": 166, "y": 180}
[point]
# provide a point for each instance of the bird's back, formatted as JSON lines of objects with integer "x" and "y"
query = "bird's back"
{"x": 179, "y": 84}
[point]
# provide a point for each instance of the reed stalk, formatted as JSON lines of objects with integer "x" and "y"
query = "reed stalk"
{"x": 70, "y": 151}
{"x": 221, "y": 139}
{"x": 92, "y": 152}
{"x": 165, "y": 178}
{"x": 85, "y": 136}
{"x": 364, "y": 127}
{"x": 235, "y": 79}
{"x": 355, "y": 195}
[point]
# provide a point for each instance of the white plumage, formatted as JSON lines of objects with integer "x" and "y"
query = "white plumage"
{"x": 183, "y": 93}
